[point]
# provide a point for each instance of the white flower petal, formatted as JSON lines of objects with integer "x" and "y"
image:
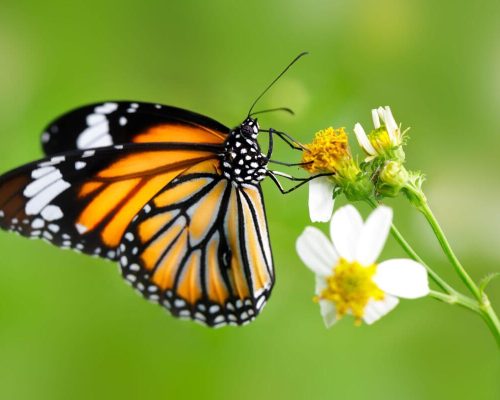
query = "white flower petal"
{"x": 373, "y": 236}
{"x": 375, "y": 310}
{"x": 363, "y": 140}
{"x": 321, "y": 284}
{"x": 316, "y": 251}
{"x": 381, "y": 114}
{"x": 328, "y": 312}
{"x": 403, "y": 278}
{"x": 376, "y": 118}
{"x": 389, "y": 119}
{"x": 345, "y": 231}
{"x": 321, "y": 199}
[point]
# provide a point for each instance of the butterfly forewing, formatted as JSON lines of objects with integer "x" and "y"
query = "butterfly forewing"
{"x": 121, "y": 122}
{"x": 201, "y": 249}
{"x": 85, "y": 200}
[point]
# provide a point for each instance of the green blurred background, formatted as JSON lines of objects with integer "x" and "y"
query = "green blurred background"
{"x": 71, "y": 329}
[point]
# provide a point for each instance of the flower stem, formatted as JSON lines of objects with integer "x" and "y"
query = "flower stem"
{"x": 445, "y": 245}
{"x": 490, "y": 317}
{"x": 483, "y": 306}
{"x": 456, "y": 298}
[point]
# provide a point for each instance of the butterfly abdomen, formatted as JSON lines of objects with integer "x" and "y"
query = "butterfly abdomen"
{"x": 242, "y": 160}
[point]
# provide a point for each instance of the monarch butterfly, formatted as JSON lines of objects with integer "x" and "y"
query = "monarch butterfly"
{"x": 172, "y": 195}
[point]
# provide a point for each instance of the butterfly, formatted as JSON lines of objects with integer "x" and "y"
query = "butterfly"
{"x": 171, "y": 195}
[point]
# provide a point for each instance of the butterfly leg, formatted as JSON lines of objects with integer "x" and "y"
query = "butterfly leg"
{"x": 300, "y": 164}
{"x": 294, "y": 144}
{"x": 270, "y": 146}
{"x": 271, "y": 131}
{"x": 274, "y": 177}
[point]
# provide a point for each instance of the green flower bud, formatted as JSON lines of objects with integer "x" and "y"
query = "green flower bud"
{"x": 392, "y": 179}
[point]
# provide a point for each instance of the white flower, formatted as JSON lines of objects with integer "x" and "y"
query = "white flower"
{"x": 385, "y": 139}
{"x": 321, "y": 199}
{"x": 348, "y": 280}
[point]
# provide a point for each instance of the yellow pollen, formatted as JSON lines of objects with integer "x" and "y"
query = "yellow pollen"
{"x": 351, "y": 288}
{"x": 328, "y": 151}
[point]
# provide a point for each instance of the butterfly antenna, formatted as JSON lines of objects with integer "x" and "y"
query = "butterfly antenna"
{"x": 275, "y": 80}
{"x": 286, "y": 109}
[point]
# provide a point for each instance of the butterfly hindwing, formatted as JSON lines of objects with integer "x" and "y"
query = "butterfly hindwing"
{"x": 85, "y": 200}
{"x": 121, "y": 122}
{"x": 201, "y": 249}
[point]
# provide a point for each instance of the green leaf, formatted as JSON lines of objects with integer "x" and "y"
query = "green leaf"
{"x": 486, "y": 280}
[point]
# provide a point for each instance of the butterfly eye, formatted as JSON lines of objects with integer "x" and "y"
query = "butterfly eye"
{"x": 250, "y": 127}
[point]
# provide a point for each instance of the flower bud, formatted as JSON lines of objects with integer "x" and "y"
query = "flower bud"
{"x": 392, "y": 178}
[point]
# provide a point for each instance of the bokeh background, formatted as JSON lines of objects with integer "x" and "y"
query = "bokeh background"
{"x": 69, "y": 326}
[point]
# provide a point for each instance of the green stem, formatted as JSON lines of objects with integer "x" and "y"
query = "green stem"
{"x": 445, "y": 245}
{"x": 490, "y": 317}
{"x": 483, "y": 307}
{"x": 456, "y": 298}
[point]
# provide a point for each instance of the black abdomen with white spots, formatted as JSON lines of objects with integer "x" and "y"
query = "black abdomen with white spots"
{"x": 242, "y": 160}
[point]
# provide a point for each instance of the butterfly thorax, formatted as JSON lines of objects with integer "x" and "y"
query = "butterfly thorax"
{"x": 242, "y": 160}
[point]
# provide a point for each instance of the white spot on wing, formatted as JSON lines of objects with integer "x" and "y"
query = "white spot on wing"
{"x": 38, "y": 173}
{"x": 106, "y": 108}
{"x": 47, "y": 235}
{"x": 42, "y": 183}
{"x": 38, "y": 223}
{"x": 80, "y": 165}
{"x": 81, "y": 228}
{"x": 179, "y": 303}
{"x": 260, "y": 303}
{"x": 103, "y": 142}
{"x": 134, "y": 267}
{"x": 94, "y": 119}
{"x": 97, "y": 132}
{"x": 214, "y": 308}
{"x": 44, "y": 197}
{"x": 88, "y": 153}
{"x": 53, "y": 161}
{"x": 52, "y": 213}
{"x": 54, "y": 228}
{"x": 93, "y": 134}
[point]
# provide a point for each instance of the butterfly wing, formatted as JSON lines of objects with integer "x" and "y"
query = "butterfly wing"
{"x": 111, "y": 123}
{"x": 134, "y": 184}
{"x": 85, "y": 200}
{"x": 201, "y": 249}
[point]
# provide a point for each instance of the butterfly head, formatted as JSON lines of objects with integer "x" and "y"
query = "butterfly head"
{"x": 250, "y": 128}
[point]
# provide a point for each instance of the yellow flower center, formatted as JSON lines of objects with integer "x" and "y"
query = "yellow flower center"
{"x": 380, "y": 140}
{"x": 329, "y": 152}
{"x": 351, "y": 288}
